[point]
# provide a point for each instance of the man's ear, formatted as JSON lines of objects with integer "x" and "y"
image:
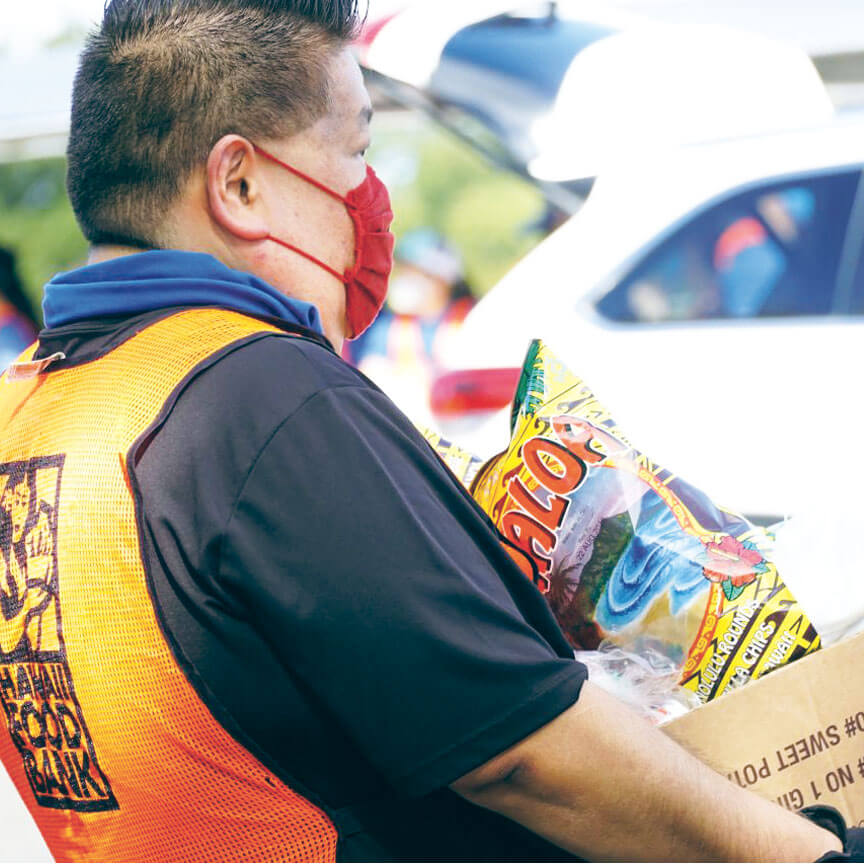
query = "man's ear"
{"x": 233, "y": 188}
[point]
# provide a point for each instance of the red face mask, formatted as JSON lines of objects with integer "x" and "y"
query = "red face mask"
{"x": 365, "y": 282}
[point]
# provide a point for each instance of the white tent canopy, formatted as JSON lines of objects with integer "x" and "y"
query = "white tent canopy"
{"x": 35, "y": 101}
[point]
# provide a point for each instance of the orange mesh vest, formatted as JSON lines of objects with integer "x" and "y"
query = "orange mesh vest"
{"x": 108, "y": 743}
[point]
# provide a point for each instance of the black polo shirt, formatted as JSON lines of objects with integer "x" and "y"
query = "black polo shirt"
{"x": 339, "y": 602}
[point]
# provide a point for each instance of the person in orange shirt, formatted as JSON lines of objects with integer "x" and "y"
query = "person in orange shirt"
{"x": 18, "y": 319}
{"x": 410, "y": 341}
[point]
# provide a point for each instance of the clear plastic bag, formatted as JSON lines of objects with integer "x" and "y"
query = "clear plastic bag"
{"x": 646, "y": 680}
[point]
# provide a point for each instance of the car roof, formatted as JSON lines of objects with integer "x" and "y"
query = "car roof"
{"x": 499, "y": 62}
{"x": 567, "y": 86}
{"x": 440, "y": 30}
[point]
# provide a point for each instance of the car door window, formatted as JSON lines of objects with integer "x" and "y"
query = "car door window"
{"x": 767, "y": 252}
{"x": 856, "y": 290}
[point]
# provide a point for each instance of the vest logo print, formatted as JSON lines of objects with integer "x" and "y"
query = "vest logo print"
{"x": 38, "y": 698}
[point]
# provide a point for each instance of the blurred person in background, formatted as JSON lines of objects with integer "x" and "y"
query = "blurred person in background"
{"x": 752, "y": 255}
{"x": 19, "y": 323}
{"x": 409, "y": 342}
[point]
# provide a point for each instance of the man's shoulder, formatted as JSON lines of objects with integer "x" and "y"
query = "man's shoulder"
{"x": 224, "y": 414}
{"x": 285, "y": 366}
{"x": 256, "y": 385}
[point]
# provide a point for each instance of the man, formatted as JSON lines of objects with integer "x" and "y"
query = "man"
{"x": 287, "y": 633}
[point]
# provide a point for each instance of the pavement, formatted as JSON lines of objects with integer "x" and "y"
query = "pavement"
{"x": 20, "y": 840}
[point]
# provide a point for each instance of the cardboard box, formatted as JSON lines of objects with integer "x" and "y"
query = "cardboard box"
{"x": 795, "y": 736}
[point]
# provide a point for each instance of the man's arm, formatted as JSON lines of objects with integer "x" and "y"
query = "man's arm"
{"x": 603, "y": 783}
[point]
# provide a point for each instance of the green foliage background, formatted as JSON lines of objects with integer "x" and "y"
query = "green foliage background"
{"x": 485, "y": 212}
{"x": 37, "y": 223}
{"x": 435, "y": 180}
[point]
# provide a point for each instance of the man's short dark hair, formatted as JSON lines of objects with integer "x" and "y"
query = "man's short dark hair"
{"x": 162, "y": 80}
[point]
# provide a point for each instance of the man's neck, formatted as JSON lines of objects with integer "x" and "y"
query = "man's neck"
{"x": 108, "y": 252}
{"x": 333, "y": 330}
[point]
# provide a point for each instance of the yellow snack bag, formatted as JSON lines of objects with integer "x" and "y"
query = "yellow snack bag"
{"x": 626, "y": 551}
{"x": 463, "y": 464}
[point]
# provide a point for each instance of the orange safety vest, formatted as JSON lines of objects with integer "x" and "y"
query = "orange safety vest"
{"x": 109, "y": 744}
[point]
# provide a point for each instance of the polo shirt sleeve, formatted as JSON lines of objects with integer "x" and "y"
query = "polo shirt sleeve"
{"x": 378, "y": 583}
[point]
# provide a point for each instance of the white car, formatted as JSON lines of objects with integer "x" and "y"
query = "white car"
{"x": 567, "y": 86}
{"x": 713, "y": 298}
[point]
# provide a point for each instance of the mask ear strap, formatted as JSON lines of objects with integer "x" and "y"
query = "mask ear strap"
{"x": 340, "y": 276}
{"x": 326, "y": 189}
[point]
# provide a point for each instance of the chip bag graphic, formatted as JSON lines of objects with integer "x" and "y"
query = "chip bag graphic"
{"x": 626, "y": 551}
{"x": 463, "y": 464}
